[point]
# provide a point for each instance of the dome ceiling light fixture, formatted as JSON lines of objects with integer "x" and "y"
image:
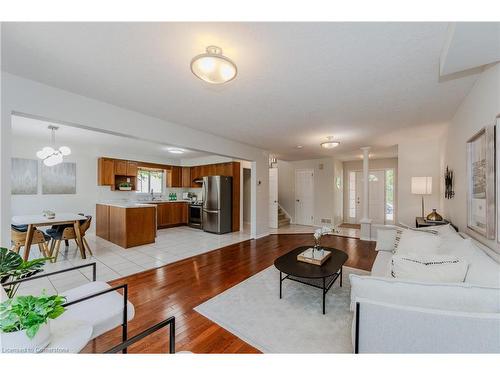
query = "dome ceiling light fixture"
{"x": 49, "y": 154}
{"x": 330, "y": 143}
{"x": 174, "y": 150}
{"x": 213, "y": 66}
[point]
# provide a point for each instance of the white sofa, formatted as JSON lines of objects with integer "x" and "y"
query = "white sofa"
{"x": 403, "y": 315}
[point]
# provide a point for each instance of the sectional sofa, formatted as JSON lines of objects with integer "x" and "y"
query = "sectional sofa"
{"x": 431, "y": 292}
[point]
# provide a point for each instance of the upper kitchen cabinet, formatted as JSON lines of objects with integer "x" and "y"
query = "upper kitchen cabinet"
{"x": 186, "y": 177}
{"x": 105, "y": 172}
{"x": 132, "y": 168}
{"x": 126, "y": 168}
{"x": 121, "y": 167}
{"x": 174, "y": 177}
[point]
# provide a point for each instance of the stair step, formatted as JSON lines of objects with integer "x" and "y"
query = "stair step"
{"x": 283, "y": 222}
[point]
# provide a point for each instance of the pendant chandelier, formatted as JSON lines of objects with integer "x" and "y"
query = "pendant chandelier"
{"x": 49, "y": 154}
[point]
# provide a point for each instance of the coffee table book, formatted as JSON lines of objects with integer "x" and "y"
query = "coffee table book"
{"x": 316, "y": 257}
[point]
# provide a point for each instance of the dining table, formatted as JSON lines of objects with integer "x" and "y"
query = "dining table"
{"x": 39, "y": 220}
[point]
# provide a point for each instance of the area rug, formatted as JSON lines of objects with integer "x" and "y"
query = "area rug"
{"x": 253, "y": 311}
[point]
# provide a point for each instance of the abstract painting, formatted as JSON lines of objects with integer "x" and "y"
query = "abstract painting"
{"x": 59, "y": 179}
{"x": 24, "y": 176}
{"x": 481, "y": 182}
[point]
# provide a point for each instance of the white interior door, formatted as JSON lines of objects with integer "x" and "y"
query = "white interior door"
{"x": 273, "y": 197}
{"x": 376, "y": 201}
{"x": 304, "y": 196}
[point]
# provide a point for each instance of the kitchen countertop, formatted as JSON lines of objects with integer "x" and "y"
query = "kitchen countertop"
{"x": 165, "y": 201}
{"x": 127, "y": 204}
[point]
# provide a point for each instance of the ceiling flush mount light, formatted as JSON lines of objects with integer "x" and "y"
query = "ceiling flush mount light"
{"x": 299, "y": 146}
{"x": 49, "y": 154}
{"x": 213, "y": 66}
{"x": 330, "y": 143}
{"x": 176, "y": 150}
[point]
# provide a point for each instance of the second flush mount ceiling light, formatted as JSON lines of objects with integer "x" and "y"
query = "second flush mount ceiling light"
{"x": 213, "y": 66}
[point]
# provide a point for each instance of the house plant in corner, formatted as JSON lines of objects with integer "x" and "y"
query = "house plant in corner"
{"x": 13, "y": 267}
{"x": 24, "y": 322}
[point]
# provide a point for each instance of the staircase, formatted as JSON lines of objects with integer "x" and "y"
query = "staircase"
{"x": 283, "y": 220}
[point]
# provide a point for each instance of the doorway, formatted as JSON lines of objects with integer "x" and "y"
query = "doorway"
{"x": 381, "y": 196}
{"x": 247, "y": 197}
{"x": 304, "y": 196}
{"x": 273, "y": 198}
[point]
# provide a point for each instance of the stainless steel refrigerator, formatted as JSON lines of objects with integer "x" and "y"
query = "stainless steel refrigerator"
{"x": 217, "y": 204}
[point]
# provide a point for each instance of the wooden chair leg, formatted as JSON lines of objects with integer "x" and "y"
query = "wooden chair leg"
{"x": 42, "y": 250}
{"x": 52, "y": 246}
{"x": 86, "y": 244}
{"x": 58, "y": 245}
{"x": 16, "y": 248}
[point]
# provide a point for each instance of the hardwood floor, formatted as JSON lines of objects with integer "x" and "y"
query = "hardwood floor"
{"x": 177, "y": 288}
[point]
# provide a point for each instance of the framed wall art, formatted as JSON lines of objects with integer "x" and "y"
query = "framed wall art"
{"x": 24, "y": 176}
{"x": 59, "y": 179}
{"x": 497, "y": 146}
{"x": 481, "y": 214}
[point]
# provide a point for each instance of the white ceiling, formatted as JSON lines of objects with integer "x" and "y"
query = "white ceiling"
{"x": 469, "y": 45}
{"x": 297, "y": 82}
{"x": 38, "y": 130}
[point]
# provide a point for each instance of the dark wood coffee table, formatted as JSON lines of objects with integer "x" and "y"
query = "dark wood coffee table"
{"x": 321, "y": 277}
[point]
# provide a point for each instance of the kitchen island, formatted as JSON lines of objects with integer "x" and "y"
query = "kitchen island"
{"x": 126, "y": 224}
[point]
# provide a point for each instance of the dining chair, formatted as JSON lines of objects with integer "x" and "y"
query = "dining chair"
{"x": 66, "y": 233}
{"x": 18, "y": 235}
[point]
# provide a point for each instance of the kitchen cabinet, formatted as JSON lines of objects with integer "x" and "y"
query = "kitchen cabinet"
{"x": 132, "y": 168}
{"x": 105, "y": 174}
{"x": 186, "y": 177}
{"x": 195, "y": 175}
{"x": 102, "y": 221}
{"x": 171, "y": 214}
{"x": 126, "y": 226}
{"x": 121, "y": 167}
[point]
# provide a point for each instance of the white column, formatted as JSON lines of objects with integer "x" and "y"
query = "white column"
{"x": 366, "y": 221}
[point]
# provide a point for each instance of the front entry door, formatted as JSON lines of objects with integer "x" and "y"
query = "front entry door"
{"x": 304, "y": 196}
{"x": 376, "y": 191}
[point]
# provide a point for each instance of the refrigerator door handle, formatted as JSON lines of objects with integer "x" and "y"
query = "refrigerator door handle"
{"x": 211, "y": 211}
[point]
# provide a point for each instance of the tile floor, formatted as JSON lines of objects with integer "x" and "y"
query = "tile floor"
{"x": 113, "y": 262}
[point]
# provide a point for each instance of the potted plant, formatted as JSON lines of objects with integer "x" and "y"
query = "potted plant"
{"x": 13, "y": 267}
{"x": 24, "y": 322}
{"x": 125, "y": 186}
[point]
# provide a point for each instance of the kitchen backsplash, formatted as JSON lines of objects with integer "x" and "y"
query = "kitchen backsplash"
{"x": 105, "y": 194}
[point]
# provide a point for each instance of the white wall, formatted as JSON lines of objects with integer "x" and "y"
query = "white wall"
{"x": 338, "y": 192}
{"x": 480, "y": 108}
{"x": 418, "y": 156}
{"x": 323, "y": 187}
{"x": 286, "y": 187}
{"x": 30, "y": 97}
{"x": 357, "y": 165}
{"x": 204, "y": 160}
{"x": 247, "y": 180}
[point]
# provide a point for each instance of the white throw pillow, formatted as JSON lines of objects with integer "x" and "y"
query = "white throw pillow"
{"x": 447, "y": 232}
{"x": 440, "y": 296}
{"x": 416, "y": 242}
{"x": 431, "y": 268}
{"x": 385, "y": 239}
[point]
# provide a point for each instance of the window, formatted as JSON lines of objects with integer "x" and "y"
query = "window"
{"x": 150, "y": 180}
{"x": 352, "y": 194}
{"x": 389, "y": 195}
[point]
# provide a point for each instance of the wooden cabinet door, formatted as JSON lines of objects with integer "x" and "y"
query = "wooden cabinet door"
{"x": 132, "y": 168}
{"x": 121, "y": 167}
{"x": 185, "y": 208}
{"x": 102, "y": 221}
{"x": 186, "y": 177}
{"x": 195, "y": 174}
{"x": 176, "y": 176}
{"x": 212, "y": 170}
{"x": 204, "y": 170}
{"x": 105, "y": 172}
{"x": 162, "y": 214}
